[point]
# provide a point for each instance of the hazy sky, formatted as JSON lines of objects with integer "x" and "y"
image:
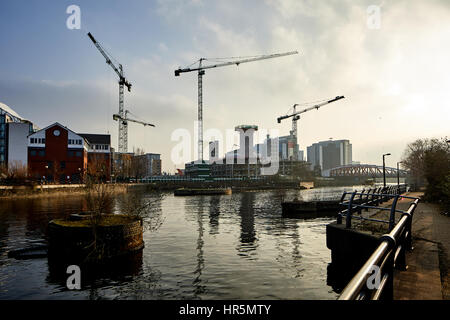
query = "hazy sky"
{"x": 394, "y": 78}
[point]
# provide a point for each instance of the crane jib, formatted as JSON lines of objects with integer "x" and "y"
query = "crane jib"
{"x": 308, "y": 109}
{"x": 237, "y": 63}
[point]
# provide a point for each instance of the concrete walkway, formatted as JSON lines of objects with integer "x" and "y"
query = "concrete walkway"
{"x": 428, "y": 263}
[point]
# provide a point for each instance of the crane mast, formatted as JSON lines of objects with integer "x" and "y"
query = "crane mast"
{"x": 294, "y": 124}
{"x": 123, "y": 130}
{"x": 201, "y": 72}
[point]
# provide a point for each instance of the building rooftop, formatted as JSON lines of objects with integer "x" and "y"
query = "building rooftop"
{"x": 246, "y": 127}
{"x": 9, "y": 111}
{"x": 96, "y": 138}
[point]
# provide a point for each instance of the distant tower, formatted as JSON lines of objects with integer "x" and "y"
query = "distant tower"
{"x": 247, "y": 151}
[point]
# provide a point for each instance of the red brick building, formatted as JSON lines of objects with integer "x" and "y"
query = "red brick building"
{"x": 57, "y": 154}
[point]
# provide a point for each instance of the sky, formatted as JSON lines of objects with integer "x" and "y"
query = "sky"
{"x": 392, "y": 68}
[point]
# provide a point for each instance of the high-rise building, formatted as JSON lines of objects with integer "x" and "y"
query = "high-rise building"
{"x": 330, "y": 154}
{"x": 247, "y": 150}
{"x": 213, "y": 151}
{"x": 288, "y": 148}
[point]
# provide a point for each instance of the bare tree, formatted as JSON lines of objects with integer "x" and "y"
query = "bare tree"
{"x": 99, "y": 199}
{"x": 148, "y": 208}
{"x": 15, "y": 173}
{"x": 414, "y": 160}
{"x": 428, "y": 160}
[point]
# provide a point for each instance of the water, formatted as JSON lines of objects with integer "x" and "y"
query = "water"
{"x": 207, "y": 247}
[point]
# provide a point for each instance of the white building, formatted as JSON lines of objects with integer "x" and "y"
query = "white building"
{"x": 13, "y": 137}
{"x": 330, "y": 154}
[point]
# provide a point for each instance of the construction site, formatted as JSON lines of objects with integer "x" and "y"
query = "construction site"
{"x": 50, "y": 156}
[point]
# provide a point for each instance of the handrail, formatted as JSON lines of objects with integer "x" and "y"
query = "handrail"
{"x": 378, "y": 196}
{"x": 390, "y": 253}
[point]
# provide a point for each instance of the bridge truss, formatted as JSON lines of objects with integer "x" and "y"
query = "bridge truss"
{"x": 365, "y": 170}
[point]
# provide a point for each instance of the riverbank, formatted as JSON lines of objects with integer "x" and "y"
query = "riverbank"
{"x": 427, "y": 276}
{"x": 61, "y": 190}
{"x": 52, "y": 190}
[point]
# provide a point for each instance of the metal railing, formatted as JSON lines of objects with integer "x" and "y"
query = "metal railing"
{"x": 390, "y": 253}
{"x": 371, "y": 200}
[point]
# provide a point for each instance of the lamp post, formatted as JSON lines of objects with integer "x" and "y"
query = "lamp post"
{"x": 46, "y": 173}
{"x": 398, "y": 174}
{"x": 384, "y": 169}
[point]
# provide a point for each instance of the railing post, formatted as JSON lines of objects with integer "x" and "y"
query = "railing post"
{"x": 360, "y": 201}
{"x": 367, "y": 198}
{"x": 339, "y": 217}
{"x": 400, "y": 264}
{"x": 378, "y": 197}
{"x": 392, "y": 215}
{"x": 348, "y": 221}
{"x": 388, "y": 290}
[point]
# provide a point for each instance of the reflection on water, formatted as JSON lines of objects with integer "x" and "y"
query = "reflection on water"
{"x": 248, "y": 243}
{"x": 120, "y": 269}
{"x": 207, "y": 247}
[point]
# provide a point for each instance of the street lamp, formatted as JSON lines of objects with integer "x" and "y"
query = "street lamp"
{"x": 398, "y": 174}
{"x": 384, "y": 169}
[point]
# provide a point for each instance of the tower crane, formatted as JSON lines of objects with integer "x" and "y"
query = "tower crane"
{"x": 123, "y": 131}
{"x": 296, "y": 114}
{"x": 201, "y": 72}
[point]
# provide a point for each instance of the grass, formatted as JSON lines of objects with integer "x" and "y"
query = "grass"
{"x": 105, "y": 221}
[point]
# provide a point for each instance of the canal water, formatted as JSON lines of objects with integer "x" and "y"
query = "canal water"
{"x": 206, "y": 247}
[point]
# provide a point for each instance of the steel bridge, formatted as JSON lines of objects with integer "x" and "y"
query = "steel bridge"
{"x": 365, "y": 170}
